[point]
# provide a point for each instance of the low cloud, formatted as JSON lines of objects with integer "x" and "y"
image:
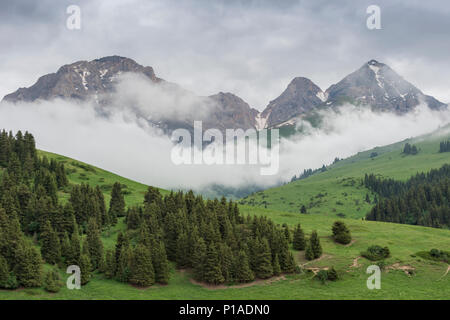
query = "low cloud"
{"x": 127, "y": 145}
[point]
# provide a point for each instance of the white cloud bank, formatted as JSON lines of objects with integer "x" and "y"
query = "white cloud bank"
{"x": 128, "y": 146}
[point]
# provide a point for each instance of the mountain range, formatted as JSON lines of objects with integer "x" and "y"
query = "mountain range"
{"x": 374, "y": 85}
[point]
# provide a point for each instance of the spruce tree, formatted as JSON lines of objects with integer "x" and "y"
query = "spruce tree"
{"x": 198, "y": 259}
{"x": 124, "y": 264}
{"x": 160, "y": 263}
{"x": 85, "y": 268}
{"x": 28, "y": 267}
{"x": 94, "y": 243}
{"x": 341, "y": 234}
{"x": 212, "y": 271}
{"x": 309, "y": 254}
{"x": 52, "y": 281}
{"x": 50, "y": 246}
{"x": 299, "y": 242}
{"x": 276, "y": 265}
{"x": 263, "y": 260}
{"x": 4, "y": 272}
{"x": 142, "y": 273}
{"x": 117, "y": 203}
{"x": 110, "y": 264}
{"x": 315, "y": 245}
{"x": 242, "y": 271}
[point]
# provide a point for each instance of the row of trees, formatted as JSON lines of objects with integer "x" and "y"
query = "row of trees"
{"x": 211, "y": 237}
{"x": 422, "y": 200}
{"x": 444, "y": 146}
{"x": 30, "y": 213}
{"x": 410, "y": 149}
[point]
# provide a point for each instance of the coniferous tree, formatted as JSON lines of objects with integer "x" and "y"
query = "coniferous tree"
{"x": 309, "y": 254}
{"x": 242, "y": 271}
{"x": 299, "y": 238}
{"x": 341, "y": 234}
{"x": 28, "y": 267}
{"x": 263, "y": 259}
{"x": 117, "y": 203}
{"x": 212, "y": 272}
{"x": 52, "y": 281}
{"x": 315, "y": 245}
{"x": 124, "y": 264}
{"x": 110, "y": 264}
{"x": 50, "y": 248}
{"x": 160, "y": 264}
{"x": 85, "y": 268}
{"x": 94, "y": 243}
{"x": 4, "y": 272}
{"x": 276, "y": 266}
{"x": 142, "y": 273}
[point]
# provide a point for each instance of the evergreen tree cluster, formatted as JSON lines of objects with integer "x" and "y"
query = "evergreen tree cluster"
{"x": 210, "y": 237}
{"x": 423, "y": 200}
{"x": 341, "y": 234}
{"x": 444, "y": 146}
{"x": 410, "y": 149}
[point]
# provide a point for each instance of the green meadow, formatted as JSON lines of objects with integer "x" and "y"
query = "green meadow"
{"x": 328, "y": 196}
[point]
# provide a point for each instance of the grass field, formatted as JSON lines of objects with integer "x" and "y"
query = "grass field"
{"x": 428, "y": 281}
{"x": 338, "y": 191}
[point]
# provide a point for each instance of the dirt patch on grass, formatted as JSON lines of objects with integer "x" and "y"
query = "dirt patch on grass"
{"x": 316, "y": 270}
{"x": 408, "y": 270}
{"x": 355, "y": 263}
{"x": 322, "y": 257}
{"x": 241, "y": 285}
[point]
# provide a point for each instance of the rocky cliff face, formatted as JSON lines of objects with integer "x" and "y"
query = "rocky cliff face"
{"x": 81, "y": 80}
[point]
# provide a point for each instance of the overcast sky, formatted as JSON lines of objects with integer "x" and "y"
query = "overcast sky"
{"x": 250, "y": 48}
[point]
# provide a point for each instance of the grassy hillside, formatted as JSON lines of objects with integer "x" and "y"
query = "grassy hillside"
{"x": 80, "y": 172}
{"x": 338, "y": 191}
{"x": 428, "y": 281}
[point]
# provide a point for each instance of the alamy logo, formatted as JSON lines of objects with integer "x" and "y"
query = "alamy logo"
{"x": 239, "y": 147}
{"x": 73, "y": 281}
{"x": 374, "y": 281}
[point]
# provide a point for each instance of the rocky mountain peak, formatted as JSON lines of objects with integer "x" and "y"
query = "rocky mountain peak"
{"x": 300, "y": 96}
{"x": 81, "y": 80}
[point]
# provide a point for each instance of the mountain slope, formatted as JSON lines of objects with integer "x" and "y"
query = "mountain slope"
{"x": 377, "y": 85}
{"x": 374, "y": 84}
{"x": 99, "y": 80}
{"x": 338, "y": 192}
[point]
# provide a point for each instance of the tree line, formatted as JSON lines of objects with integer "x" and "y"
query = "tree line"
{"x": 424, "y": 199}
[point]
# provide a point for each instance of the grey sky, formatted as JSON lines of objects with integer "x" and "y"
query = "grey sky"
{"x": 250, "y": 48}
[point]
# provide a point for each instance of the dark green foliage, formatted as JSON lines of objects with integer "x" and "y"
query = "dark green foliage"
{"x": 50, "y": 245}
{"x": 435, "y": 255}
{"x": 28, "y": 267}
{"x": 376, "y": 252}
{"x": 94, "y": 243}
{"x": 444, "y": 146}
{"x": 160, "y": 263}
{"x": 142, "y": 273}
{"x": 410, "y": 149}
{"x": 212, "y": 272}
{"x": 85, "y": 268}
{"x": 263, "y": 259}
{"x": 332, "y": 274}
{"x": 299, "y": 242}
{"x": 314, "y": 243}
{"x": 117, "y": 203}
{"x": 276, "y": 266}
{"x": 242, "y": 271}
{"x": 110, "y": 264}
{"x": 421, "y": 200}
{"x": 303, "y": 209}
{"x": 52, "y": 281}
{"x": 327, "y": 275}
{"x": 341, "y": 234}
